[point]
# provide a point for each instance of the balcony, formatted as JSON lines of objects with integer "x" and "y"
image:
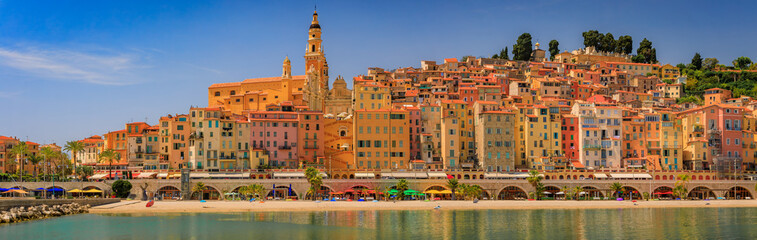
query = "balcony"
{"x": 285, "y": 147}
{"x": 228, "y": 158}
{"x": 310, "y": 147}
{"x": 698, "y": 129}
{"x": 592, "y": 147}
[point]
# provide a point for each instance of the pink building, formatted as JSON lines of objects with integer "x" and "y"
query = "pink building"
{"x": 276, "y": 133}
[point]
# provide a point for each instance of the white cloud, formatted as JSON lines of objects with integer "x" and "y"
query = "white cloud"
{"x": 9, "y": 94}
{"x": 96, "y": 68}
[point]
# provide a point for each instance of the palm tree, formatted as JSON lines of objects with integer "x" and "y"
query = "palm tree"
{"x": 540, "y": 188}
{"x": 255, "y": 190}
{"x": 48, "y": 154}
{"x": 107, "y": 156}
{"x": 401, "y": 187}
{"x": 19, "y": 151}
{"x": 463, "y": 190}
{"x": 315, "y": 180}
{"x": 474, "y": 191}
{"x": 35, "y": 160}
{"x": 616, "y": 188}
{"x": 199, "y": 188}
{"x": 566, "y": 192}
{"x": 453, "y": 184}
{"x": 577, "y": 192}
{"x": 680, "y": 186}
{"x": 534, "y": 179}
{"x": 74, "y": 147}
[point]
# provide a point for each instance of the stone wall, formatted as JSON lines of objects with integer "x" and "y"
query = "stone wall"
{"x": 6, "y": 204}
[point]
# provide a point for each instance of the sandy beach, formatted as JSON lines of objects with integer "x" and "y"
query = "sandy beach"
{"x": 269, "y": 206}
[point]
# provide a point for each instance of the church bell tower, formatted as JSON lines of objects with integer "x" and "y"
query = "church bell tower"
{"x": 317, "y": 72}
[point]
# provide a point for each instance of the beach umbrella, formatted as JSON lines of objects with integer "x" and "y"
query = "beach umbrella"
{"x": 393, "y": 191}
{"x": 410, "y": 192}
{"x": 547, "y": 192}
{"x": 75, "y": 191}
{"x": 560, "y": 193}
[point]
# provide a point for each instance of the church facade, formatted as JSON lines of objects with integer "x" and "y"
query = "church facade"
{"x": 310, "y": 90}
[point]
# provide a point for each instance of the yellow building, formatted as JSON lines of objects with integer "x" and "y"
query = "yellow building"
{"x": 538, "y": 139}
{"x": 457, "y": 132}
{"x": 382, "y": 139}
{"x": 338, "y": 148}
{"x": 669, "y": 72}
{"x": 671, "y": 140}
{"x": 372, "y": 96}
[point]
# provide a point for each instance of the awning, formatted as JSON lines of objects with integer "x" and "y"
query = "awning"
{"x": 505, "y": 175}
{"x": 600, "y": 175}
{"x": 147, "y": 174}
{"x": 630, "y": 176}
{"x": 229, "y": 175}
{"x": 577, "y": 164}
{"x": 199, "y": 175}
{"x": 365, "y": 175}
{"x": 406, "y": 175}
{"x": 175, "y": 175}
{"x": 75, "y": 191}
{"x": 98, "y": 176}
{"x": 162, "y": 175}
{"x": 92, "y": 191}
{"x": 289, "y": 175}
{"x": 437, "y": 175}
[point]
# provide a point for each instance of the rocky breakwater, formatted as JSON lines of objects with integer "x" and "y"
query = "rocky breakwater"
{"x": 18, "y": 214}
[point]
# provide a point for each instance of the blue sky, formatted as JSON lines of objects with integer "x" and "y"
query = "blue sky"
{"x": 71, "y": 69}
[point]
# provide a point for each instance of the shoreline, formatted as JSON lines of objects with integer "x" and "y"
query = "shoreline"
{"x": 311, "y": 206}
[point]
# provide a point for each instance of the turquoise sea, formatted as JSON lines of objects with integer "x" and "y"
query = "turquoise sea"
{"x": 671, "y": 223}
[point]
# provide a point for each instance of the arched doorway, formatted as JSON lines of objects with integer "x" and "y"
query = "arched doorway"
{"x": 701, "y": 192}
{"x": 209, "y": 193}
{"x": 169, "y": 192}
{"x": 663, "y": 192}
{"x": 282, "y": 192}
{"x": 738, "y": 193}
{"x": 512, "y": 193}
{"x": 323, "y": 193}
{"x": 590, "y": 192}
{"x": 630, "y": 193}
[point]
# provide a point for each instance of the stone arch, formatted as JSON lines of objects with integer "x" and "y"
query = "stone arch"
{"x": 662, "y": 192}
{"x": 701, "y": 192}
{"x": 700, "y": 177}
{"x": 169, "y": 192}
{"x": 561, "y": 177}
{"x": 92, "y": 187}
{"x": 282, "y": 192}
{"x": 512, "y": 193}
{"x": 209, "y": 193}
{"x": 352, "y": 176}
{"x": 436, "y": 187}
{"x": 466, "y": 176}
{"x": 546, "y": 177}
{"x": 630, "y": 193}
{"x": 575, "y": 177}
{"x": 738, "y": 192}
{"x": 672, "y": 177}
{"x": 656, "y": 177}
{"x": 664, "y": 177}
{"x": 707, "y": 177}
{"x": 591, "y": 192}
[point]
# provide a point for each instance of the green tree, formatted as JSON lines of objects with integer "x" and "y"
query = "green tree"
{"x": 48, "y": 154}
{"x": 624, "y": 44}
{"x": 742, "y": 63}
{"x": 577, "y": 191}
{"x": 401, "y": 186}
{"x": 647, "y": 51}
{"x": 84, "y": 171}
{"x": 710, "y": 63}
{"x": 252, "y": 190}
{"x": 314, "y": 178}
{"x": 554, "y": 49}
{"x": 199, "y": 187}
{"x": 616, "y": 188}
{"x": 696, "y": 62}
{"x": 534, "y": 178}
{"x": 121, "y": 188}
{"x": 19, "y": 151}
{"x": 452, "y": 184}
{"x": 592, "y": 38}
{"x": 608, "y": 43}
{"x": 108, "y": 156}
{"x": 522, "y": 49}
{"x": 74, "y": 147}
{"x": 495, "y": 56}
{"x": 504, "y": 54}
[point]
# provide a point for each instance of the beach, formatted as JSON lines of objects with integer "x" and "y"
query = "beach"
{"x": 273, "y": 206}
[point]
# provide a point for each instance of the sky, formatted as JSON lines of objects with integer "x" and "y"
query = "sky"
{"x": 72, "y": 69}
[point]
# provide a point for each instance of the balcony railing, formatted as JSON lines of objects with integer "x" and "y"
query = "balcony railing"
{"x": 285, "y": 147}
{"x": 592, "y": 147}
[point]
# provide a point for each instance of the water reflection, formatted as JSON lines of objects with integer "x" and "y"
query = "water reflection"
{"x": 675, "y": 223}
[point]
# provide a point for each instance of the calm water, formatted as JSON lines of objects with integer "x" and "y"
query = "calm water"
{"x": 678, "y": 223}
